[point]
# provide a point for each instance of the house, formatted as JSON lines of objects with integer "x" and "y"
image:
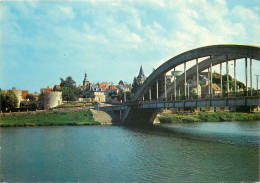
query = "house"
{"x": 56, "y": 87}
{"x": 215, "y": 89}
{"x": 46, "y": 90}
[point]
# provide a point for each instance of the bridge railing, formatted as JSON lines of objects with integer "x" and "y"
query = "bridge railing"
{"x": 203, "y": 96}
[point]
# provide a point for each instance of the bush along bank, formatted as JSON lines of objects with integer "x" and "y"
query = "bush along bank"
{"x": 82, "y": 117}
{"x": 208, "y": 117}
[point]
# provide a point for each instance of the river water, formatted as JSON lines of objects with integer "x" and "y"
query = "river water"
{"x": 226, "y": 151}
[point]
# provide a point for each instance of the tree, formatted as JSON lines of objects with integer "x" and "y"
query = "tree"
{"x": 30, "y": 97}
{"x": 69, "y": 87}
{"x": 121, "y": 94}
{"x": 41, "y": 97}
{"x": 68, "y": 94}
{"x": 69, "y": 82}
{"x": 88, "y": 94}
{"x": 8, "y": 100}
{"x": 135, "y": 86}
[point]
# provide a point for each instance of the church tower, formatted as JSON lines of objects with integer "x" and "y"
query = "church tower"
{"x": 85, "y": 81}
{"x": 141, "y": 77}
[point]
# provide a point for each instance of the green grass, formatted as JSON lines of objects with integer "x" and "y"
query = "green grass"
{"x": 208, "y": 117}
{"x": 80, "y": 104}
{"x": 82, "y": 117}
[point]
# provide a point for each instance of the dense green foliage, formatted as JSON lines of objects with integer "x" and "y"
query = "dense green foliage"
{"x": 49, "y": 119}
{"x": 208, "y": 117}
{"x": 120, "y": 96}
{"x": 88, "y": 94}
{"x": 30, "y": 97}
{"x": 135, "y": 86}
{"x": 8, "y": 100}
{"x": 69, "y": 90}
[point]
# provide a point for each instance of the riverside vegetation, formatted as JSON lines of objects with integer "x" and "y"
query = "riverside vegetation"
{"x": 207, "y": 117}
{"x": 82, "y": 117}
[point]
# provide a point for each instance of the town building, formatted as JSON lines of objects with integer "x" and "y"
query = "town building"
{"x": 20, "y": 94}
{"x": 45, "y": 90}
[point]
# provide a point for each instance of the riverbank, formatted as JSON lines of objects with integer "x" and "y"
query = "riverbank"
{"x": 166, "y": 117}
{"x": 83, "y": 117}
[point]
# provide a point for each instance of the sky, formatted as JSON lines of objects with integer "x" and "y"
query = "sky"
{"x": 42, "y": 41}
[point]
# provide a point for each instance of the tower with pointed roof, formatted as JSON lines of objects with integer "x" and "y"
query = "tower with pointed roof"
{"x": 86, "y": 83}
{"x": 141, "y": 77}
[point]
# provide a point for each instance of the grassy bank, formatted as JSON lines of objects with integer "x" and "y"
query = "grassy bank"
{"x": 76, "y": 104}
{"x": 49, "y": 119}
{"x": 208, "y": 117}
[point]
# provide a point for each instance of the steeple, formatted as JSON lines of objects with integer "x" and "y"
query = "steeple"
{"x": 141, "y": 72}
{"x": 85, "y": 81}
{"x": 141, "y": 77}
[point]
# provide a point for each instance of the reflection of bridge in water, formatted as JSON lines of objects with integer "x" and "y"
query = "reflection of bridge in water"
{"x": 139, "y": 110}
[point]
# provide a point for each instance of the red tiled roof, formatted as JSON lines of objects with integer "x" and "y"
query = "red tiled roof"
{"x": 112, "y": 87}
{"x": 103, "y": 86}
{"x": 57, "y": 86}
{"x": 24, "y": 93}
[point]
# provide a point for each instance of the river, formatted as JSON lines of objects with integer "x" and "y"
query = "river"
{"x": 223, "y": 151}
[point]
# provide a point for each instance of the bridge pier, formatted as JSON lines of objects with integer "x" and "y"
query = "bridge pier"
{"x": 197, "y": 75}
{"x": 246, "y": 77}
{"x": 185, "y": 82}
{"x": 211, "y": 91}
{"x": 157, "y": 90}
{"x": 221, "y": 87}
{"x": 227, "y": 77}
{"x": 141, "y": 115}
{"x": 174, "y": 80}
{"x": 251, "y": 77}
{"x": 235, "y": 75}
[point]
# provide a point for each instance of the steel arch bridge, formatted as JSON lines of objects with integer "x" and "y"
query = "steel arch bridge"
{"x": 212, "y": 55}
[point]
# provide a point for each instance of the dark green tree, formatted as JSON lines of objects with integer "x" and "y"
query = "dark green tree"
{"x": 69, "y": 82}
{"x": 135, "y": 86}
{"x": 88, "y": 94}
{"x": 41, "y": 97}
{"x": 69, "y": 90}
{"x": 8, "y": 100}
{"x": 30, "y": 97}
{"x": 68, "y": 94}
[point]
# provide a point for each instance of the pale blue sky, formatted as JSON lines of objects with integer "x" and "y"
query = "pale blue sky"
{"x": 42, "y": 41}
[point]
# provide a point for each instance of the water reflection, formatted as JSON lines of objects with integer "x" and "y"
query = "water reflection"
{"x": 158, "y": 153}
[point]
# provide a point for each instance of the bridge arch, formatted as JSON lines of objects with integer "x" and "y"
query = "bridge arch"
{"x": 218, "y": 53}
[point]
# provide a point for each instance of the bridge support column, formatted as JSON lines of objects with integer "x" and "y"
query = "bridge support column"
{"x": 221, "y": 87}
{"x": 179, "y": 93}
{"x": 251, "y": 77}
{"x": 157, "y": 90}
{"x": 197, "y": 75}
{"x": 227, "y": 78}
{"x": 143, "y": 97}
{"x": 211, "y": 91}
{"x": 208, "y": 82}
{"x": 188, "y": 91}
{"x": 185, "y": 82}
{"x": 174, "y": 80}
{"x": 165, "y": 90}
{"x": 235, "y": 75}
{"x": 150, "y": 94}
{"x": 246, "y": 77}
